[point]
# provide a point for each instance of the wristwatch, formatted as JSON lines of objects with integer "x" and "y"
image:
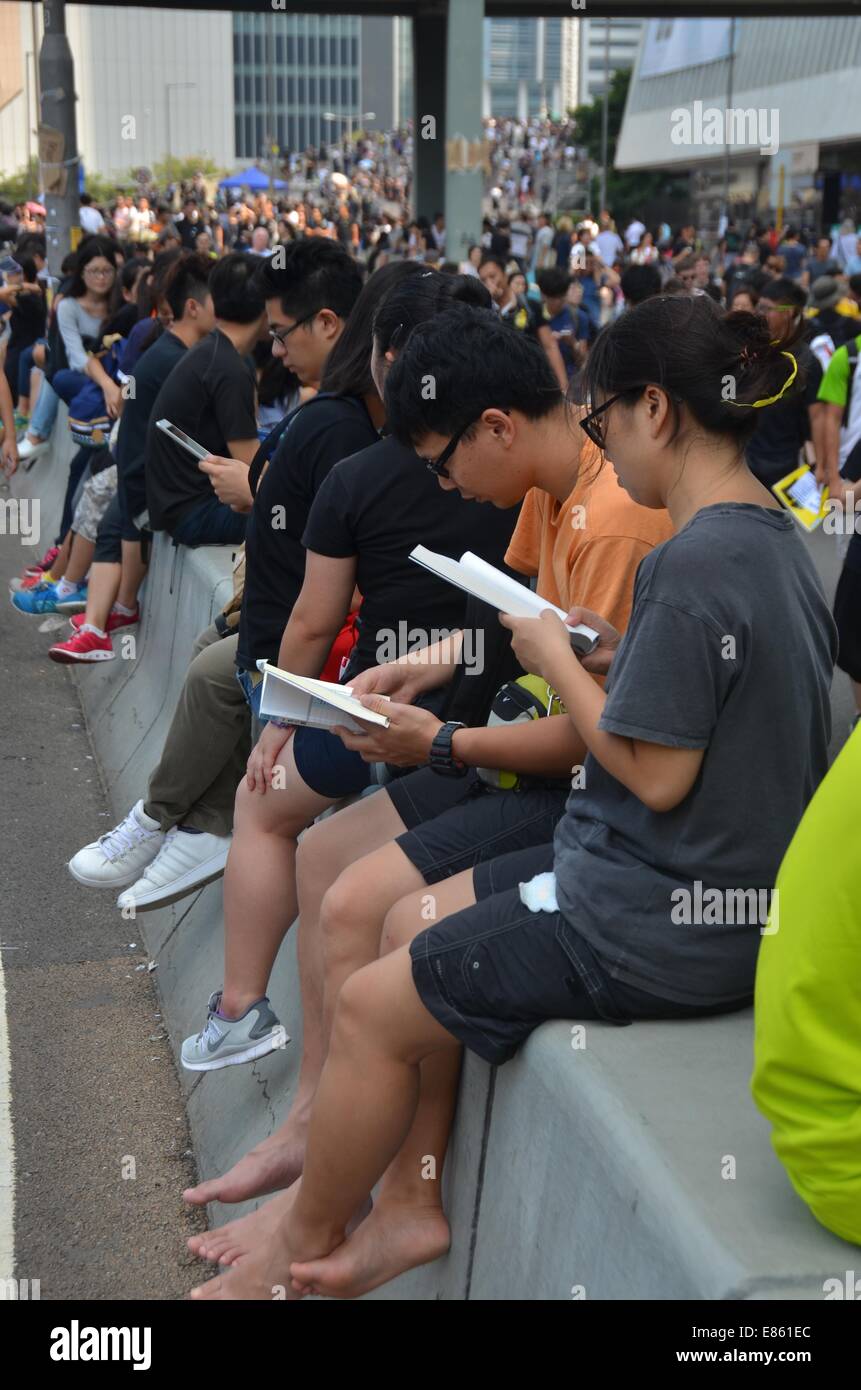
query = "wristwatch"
{"x": 441, "y": 758}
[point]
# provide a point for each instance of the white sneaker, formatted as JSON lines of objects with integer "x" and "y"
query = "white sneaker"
{"x": 187, "y": 860}
{"x": 118, "y": 858}
{"x": 32, "y": 448}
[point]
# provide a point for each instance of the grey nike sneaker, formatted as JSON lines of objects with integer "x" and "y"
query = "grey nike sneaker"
{"x": 226, "y": 1042}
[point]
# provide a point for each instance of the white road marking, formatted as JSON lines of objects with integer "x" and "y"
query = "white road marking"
{"x": 7, "y": 1146}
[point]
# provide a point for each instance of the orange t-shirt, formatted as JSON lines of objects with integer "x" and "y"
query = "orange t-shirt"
{"x": 585, "y": 551}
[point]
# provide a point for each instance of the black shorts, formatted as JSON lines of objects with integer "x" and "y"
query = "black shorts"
{"x": 496, "y": 971}
{"x": 458, "y": 823}
{"x": 847, "y": 611}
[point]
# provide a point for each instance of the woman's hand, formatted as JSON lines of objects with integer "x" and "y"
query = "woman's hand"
{"x": 405, "y": 743}
{"x": 263, "y": 757}
{"x": 541, "y": 643}
{"x": 229, "y": 479}
{"x": 113, "y": 398}
{"x": 599, "y": 661}
{"x": 402, "y": 682}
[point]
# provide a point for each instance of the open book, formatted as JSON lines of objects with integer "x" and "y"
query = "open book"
{"x": 492, "y": 586}
{"x": 312, "y": 703}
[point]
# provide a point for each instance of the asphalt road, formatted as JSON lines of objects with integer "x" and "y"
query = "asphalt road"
{"x": 101, "y": 1142}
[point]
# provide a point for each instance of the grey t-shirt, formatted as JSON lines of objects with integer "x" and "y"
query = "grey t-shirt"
{"x": 730, "y": 648}
{"x": 75, "y": 324}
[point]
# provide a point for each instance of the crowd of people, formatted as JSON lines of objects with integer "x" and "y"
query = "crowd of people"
{"x": 610, "y": 411}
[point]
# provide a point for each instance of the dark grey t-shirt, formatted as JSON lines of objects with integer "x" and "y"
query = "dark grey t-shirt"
{"x": 730, "y": 648}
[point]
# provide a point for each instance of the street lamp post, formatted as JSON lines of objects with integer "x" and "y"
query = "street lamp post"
{"x": 58, "y": 140}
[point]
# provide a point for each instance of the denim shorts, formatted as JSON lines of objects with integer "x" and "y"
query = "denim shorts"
{"x": 494, "y": 972}
{"x": 252, "y": 689}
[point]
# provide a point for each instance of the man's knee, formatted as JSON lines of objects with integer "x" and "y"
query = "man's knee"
{"x": 358, "y": 1003}
{"x": 400, "y": 924}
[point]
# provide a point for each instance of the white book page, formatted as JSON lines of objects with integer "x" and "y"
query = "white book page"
{"x": 313, "y": 703}
{"x": 492, "y": 586}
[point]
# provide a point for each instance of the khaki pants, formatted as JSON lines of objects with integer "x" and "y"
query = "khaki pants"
{"x": 207, "y": 746}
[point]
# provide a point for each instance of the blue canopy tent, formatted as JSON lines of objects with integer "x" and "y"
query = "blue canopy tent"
{"x": 254, "y": 177}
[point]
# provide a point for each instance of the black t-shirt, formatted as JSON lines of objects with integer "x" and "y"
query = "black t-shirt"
{"x": 321, "y": 433}
{"x": 151, "y": 372}
{"x": 210, "y": 396}
{"x": 526, "y": 315}
{"x": 378, "y": 505}
{"x": 783, "y": 427}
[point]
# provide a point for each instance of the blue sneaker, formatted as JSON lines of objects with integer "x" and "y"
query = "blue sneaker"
{"x": 75, "y": 602}
{"x": 42, "y": 599}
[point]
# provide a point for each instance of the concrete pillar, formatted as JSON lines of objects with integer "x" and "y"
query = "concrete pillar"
{"x": 464, "y": 177}
{"x": 429, "y": 59}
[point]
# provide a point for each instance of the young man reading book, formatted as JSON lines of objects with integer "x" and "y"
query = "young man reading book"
{"x": 583, "y": 537}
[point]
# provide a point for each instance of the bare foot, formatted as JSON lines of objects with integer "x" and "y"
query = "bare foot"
{"x": 392, "y": 1240}
{"x": 229, "y": 1243}
{"x": 263, "y": 1274}
{"x": 269, "y": 1167}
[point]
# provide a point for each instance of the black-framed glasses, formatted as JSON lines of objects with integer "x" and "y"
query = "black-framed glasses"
{"x": 437, "y": 466}
{"x": 588, "y": 424}
{"x": 280, "y": 335}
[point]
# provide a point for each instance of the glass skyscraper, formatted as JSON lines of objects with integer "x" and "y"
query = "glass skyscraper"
{"x": 287, "y": 70}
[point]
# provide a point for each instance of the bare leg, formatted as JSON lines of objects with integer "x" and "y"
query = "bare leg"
{"x": 364, "y": 1110}
{"x": 325, "y": 848}
{"x": 58, "y": 568}
{"x": 80, "y": 559}
{"x": 260, "y": 881}
{"x": 407, "y": 1226}
{"x": 132, "y": 575}
{"x": 101, "y": 594}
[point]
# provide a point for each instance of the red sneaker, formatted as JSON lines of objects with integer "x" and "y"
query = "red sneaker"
{"x": 84, "y": 646}
{"x": 115, "y": 620}
{"x": 44, "y": 564}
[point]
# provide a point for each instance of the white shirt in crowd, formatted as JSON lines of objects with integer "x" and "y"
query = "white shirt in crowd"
{"x": 91, "y": 220}
{"x": 634, "y": 233}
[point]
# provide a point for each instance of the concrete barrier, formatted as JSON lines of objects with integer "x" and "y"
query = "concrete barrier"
{"x": 611, "y": 1164}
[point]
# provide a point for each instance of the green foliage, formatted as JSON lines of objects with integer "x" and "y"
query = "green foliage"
{"x": 21, "y": 187}
{"x": 104, "y": 190}
{"x": 174, "y": 170}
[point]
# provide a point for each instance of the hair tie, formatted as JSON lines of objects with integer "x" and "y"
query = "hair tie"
{"x": 770, "y": 400}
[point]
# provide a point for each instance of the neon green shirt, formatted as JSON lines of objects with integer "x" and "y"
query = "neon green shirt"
{"x": 807, "y": 1073}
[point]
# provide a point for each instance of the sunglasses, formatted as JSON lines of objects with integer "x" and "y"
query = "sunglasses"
{"x": 437, "y": 466}
{"x": 280, "y": 335}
